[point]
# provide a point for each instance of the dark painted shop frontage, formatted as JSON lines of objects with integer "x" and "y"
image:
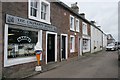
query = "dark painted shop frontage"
{"x": 24, "y": 27}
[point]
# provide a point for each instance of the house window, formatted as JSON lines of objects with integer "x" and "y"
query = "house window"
{"x": 77, "y": 25}
{"x": 39, "y": 10}
{"x": 84, "y": 26}
{"x": 71, "y": 23}
{"x": 34, "y": 8}
{"x": 72, "y": 43}
{"x": 85, "y": 44}
{"x": 43, "y": 11}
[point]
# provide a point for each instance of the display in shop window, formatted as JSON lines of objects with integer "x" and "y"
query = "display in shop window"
{"x": 21, "y": 43}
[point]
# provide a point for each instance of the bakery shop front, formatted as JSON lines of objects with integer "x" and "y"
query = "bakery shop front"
{"x": 20, "y": 37}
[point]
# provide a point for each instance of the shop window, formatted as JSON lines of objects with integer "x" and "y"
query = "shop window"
{"x": 71, "y": 23}
{"x": 85, "y": 44}
{"x": 21, "y": 43}
{"x": 72, "y": 43}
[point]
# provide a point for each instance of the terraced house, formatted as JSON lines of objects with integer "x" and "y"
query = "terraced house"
{"x": 61, "y": 31}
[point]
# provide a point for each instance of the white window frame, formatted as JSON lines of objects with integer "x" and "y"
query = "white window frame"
{"x": 72, "y": 28}
{"x": 77, "y": 25}
{"x": 84, "y": 28}
{"x": 38, "y": 18}
{"x": 16, "y": 61}
{"x": 55, "y": 44}
{"x": 73, "y": 43}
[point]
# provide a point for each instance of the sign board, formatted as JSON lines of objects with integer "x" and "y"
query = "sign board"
{"x": 28, "y": 23}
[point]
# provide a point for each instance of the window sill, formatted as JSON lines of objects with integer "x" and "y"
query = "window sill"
{"x": 71, "y": 51}
{"x": 77, "y": 31}
{"x": 40, "y": 20}
{"x": 72, "y": 30}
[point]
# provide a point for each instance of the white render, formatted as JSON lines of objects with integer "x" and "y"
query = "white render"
{"x": 96, "y": 39}
{"x": 104, "y": 40}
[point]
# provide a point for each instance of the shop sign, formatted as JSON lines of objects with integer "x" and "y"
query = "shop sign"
{"x": 28, "y": 23}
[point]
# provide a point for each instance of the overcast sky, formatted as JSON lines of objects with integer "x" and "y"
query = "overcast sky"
{"x": 104, "y": 12}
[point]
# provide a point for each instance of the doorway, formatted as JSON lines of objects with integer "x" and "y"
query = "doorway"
{"x": 63, "y": 46}
{"x": 51, "y": 47}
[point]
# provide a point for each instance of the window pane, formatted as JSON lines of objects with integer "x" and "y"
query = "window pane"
{"x": 35, "y": 4}
{"x": 34, "y": 12}
{"x": 21, "y": 43}
{"x": 43, "y": 11}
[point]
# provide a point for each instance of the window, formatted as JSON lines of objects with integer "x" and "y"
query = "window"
{"x": 39, "y": 10}
{"x": 21, "y": 43}
{"x": 72, "y": 43}
{"x": 43, "y": 11}
{"x": 34, "y": 8}
{"x": 77, "y": 25}
{"x": 85, "y": 44}
{"x": 71, "y": 23}
{"x": 84, "y": 26}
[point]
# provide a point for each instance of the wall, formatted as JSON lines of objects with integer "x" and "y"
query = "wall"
{"x": 60, "y": 17}
{"x": 96, "y": 39}
{"x": 104, "y": 40}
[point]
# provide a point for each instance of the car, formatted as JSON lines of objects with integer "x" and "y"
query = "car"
{"x": 111, "y": 47}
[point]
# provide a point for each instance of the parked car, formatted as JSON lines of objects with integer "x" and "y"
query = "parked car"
{"x": 112, "y": 47}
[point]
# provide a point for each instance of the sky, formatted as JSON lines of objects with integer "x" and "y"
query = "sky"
{"x": 104, "y": 12}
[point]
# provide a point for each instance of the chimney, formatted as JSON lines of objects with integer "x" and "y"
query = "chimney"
{"x": 75, "y": 8}
{"x": 93, "y": 22}
{"x": 82, "y": 15}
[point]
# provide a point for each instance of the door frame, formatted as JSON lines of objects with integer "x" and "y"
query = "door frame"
{"x": 47, "y": 32}
{"x": 66, "y": 39}
{"x": 80, "y": 46}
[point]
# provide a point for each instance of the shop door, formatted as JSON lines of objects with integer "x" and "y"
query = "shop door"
{"x": 51, "y": 48}
{"x": 63, "y": 47}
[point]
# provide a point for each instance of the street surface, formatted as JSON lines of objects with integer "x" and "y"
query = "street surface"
{"x": 101, "y": 65}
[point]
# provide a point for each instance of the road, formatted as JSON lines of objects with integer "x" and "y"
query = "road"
{"x": 101, "y": 65}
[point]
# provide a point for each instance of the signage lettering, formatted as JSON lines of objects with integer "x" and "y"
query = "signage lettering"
{"x": 28, "y": 23}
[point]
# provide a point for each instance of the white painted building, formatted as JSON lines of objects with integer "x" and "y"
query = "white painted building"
{"x": 85, "y": 38}
{"x": 104, "y": 40}
{"x": 96, "y": 39}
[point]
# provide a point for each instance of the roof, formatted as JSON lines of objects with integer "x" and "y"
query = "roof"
{"x": 67, "y": 7}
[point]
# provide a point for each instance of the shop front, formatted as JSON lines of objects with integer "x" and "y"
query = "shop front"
{"x": 20, "y": 37}
{"x": 86, "y": 44}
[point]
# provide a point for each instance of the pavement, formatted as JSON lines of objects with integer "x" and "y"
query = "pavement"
{"x": 100, "y": 65}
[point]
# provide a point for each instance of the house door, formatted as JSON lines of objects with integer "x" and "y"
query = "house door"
{"x": 51, "y": 48}
{"x": 63, "y": 48}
